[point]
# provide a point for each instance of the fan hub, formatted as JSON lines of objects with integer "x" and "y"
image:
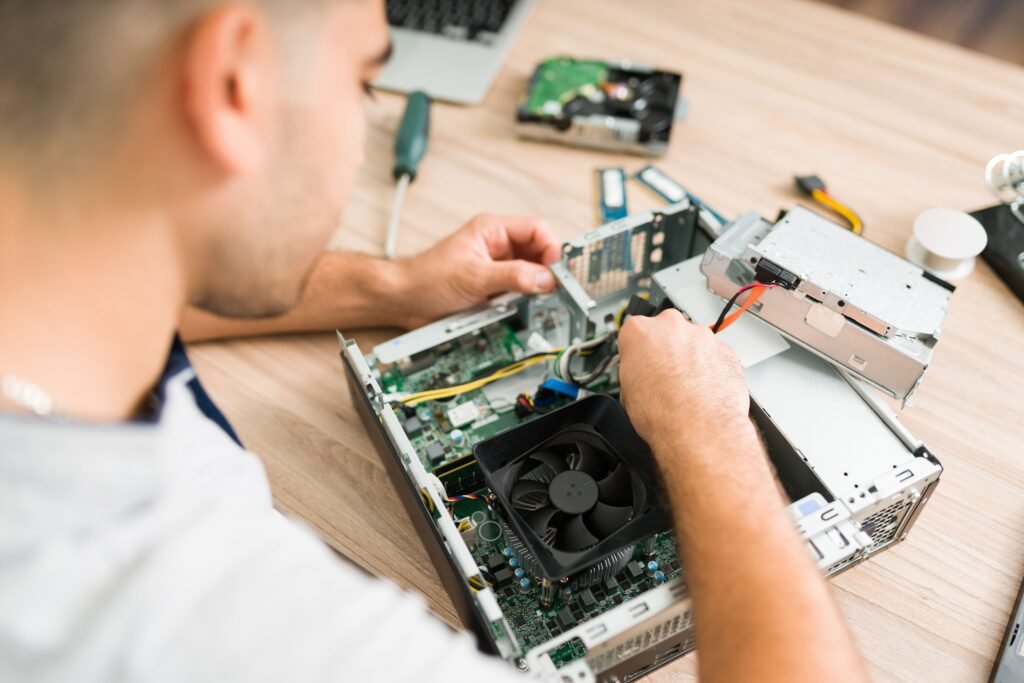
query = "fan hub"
{"x": 573, "y": 492}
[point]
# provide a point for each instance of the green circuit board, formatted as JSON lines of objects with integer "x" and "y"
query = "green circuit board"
{"x": 534, "y": 625}
{"x": 560, "y": 79}
{"x": 445, "y": 449}
{"x": 435, "y": 435}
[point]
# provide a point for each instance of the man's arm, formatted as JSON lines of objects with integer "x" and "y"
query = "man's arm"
{"x": 763, "y": 611}
{"x": 487, "y": 256}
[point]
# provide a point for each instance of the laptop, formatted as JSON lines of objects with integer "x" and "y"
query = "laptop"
{"x": 450, "y": 49}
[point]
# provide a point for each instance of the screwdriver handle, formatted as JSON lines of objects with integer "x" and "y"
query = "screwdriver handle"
{"x": 411, "y": 141}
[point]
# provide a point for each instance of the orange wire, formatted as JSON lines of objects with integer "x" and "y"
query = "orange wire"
{"x": 750, "y": 300}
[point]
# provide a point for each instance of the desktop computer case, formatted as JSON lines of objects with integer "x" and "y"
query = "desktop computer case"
{"x": 856, "y": 477}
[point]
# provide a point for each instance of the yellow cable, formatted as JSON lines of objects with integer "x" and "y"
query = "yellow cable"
{"x": 622, "y": 311}
{"x": 448, "y": 392}
{"x": 823, "y": 197}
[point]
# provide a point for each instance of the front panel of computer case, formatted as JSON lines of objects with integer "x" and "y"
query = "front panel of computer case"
{"x": 856, "y": 479}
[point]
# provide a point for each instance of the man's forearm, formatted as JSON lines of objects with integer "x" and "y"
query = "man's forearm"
{"x": 762, "y": 610}
{"x": 344, "y": 289}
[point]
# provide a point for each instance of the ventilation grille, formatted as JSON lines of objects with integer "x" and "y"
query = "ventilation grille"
{"x": 882, "y": 525}
{"x": 843, "y": 563}
{"x": 643, "y": 640}
{"x": 604, "y": 267}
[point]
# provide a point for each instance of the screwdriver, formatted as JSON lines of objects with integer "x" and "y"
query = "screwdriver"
{"x": 410, "y": 145}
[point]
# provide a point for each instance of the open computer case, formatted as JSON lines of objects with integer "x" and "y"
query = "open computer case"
{"x": 484, "y": 474}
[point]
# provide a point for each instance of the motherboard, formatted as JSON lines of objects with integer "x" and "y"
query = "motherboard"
{"x": 443, "y": 433}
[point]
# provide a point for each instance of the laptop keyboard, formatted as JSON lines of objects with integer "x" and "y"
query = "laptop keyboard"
{"x": 475, "y": 20}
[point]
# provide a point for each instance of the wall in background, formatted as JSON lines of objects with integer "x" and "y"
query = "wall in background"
{"x": 995, "y": 27}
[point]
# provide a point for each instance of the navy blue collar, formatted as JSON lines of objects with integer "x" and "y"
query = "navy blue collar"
{"x": 178, "y": 362}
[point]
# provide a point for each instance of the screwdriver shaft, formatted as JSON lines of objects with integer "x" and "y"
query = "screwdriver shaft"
{"x": 396, "y": 215}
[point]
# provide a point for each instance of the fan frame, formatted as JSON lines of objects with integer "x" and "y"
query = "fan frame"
{"x": 500, "y": 457}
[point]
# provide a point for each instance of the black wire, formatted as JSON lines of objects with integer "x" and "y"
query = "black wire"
{"x": 725, "y": 311}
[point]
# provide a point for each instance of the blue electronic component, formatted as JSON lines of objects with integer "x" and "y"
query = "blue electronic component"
{"x": 551, "y": 389}
{"x": 457, "y": 437}
{"x": 507, "y": 552}
{"x": 520, "y": 573}
{"x": 524, "y": 585}
{"x": 611, "y": 194}
{"x": 513, "y": 562}
{"x": 560, "y": 387}
{"x": 659, "y": 577}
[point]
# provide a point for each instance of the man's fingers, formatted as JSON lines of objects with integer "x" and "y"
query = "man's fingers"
{"x": 525, "y": 237}
{"x": 518, "y": 276}
{"x": 640, "y": 325}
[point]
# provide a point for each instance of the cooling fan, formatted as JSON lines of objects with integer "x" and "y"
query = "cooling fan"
{"x": 573, "y": 491}
{"x": 576, "y": 488}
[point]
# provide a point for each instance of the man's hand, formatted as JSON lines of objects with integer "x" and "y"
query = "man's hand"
{"x": 747, "y": 570}
{"x": 674, "y": 373}
{"x": 487, "y": 256}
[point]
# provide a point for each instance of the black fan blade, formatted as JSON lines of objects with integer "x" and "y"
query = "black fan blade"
{"x": 552, "y": 461}
{"x": 540, "y": 522}
{"x": 573, "y": 535}
{"x": 529, "y": 495}
{"x": 605, "y": 520}
{"x": 587, "y": 460}
{"x": 617, "y": 487}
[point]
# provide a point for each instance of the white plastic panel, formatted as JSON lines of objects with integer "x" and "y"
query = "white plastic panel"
{"x": 840, "y": 435}
{"x": 752, "y": 340}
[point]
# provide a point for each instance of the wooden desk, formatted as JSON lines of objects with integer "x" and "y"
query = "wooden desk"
{"x": 895, "y": 122}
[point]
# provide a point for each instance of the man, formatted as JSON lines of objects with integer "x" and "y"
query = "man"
{"x": 156, "y": 155}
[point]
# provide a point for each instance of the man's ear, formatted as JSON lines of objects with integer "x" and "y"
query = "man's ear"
{"x": 228, "y": 84}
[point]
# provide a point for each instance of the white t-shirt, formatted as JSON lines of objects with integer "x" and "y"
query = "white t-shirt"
{"x": 151, "y": 552}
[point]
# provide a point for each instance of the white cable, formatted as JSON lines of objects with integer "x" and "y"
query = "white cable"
{"x": 565, "y": 362}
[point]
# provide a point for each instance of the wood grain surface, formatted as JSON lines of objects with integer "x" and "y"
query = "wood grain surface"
{"x": 895, "y": 122}
{"x": 989, "y": 26}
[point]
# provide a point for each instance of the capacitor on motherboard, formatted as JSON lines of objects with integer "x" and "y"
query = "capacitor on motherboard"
{"x": 652, "y": 567}
{"x": 659, "y": 577}
{"x": 525, "y": 585}
{"x": 478, "y": 517}
{"x": 457, "y": 437}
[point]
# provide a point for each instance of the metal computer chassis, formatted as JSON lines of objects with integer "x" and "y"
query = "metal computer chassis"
{"x": 857, "y": 478}
{"x": 856, "y": 304}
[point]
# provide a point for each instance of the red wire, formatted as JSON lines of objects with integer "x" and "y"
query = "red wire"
{"x": 760, "y": 288}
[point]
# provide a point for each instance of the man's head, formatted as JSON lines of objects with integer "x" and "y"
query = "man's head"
{"x": 238, "y": 124}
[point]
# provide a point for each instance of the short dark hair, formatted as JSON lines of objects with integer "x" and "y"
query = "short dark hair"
{"x": 67, "y": 67}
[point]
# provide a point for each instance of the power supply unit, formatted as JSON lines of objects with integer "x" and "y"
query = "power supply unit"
{"x": 537, "y": 505}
